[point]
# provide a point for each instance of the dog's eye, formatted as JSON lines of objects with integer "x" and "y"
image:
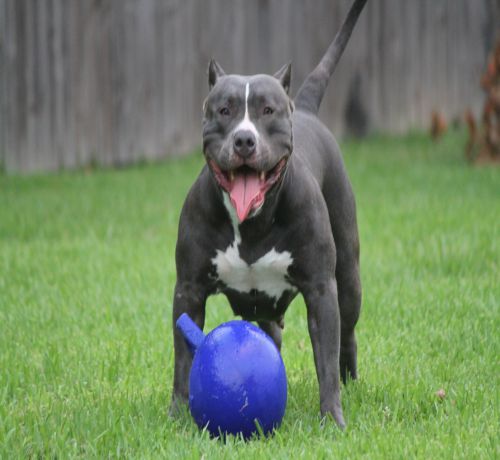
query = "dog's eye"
{"x": 268, "y": 110}
{"x": 224, "y": 111}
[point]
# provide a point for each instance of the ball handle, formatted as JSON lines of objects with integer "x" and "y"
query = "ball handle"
{"x": 192, "y": 334}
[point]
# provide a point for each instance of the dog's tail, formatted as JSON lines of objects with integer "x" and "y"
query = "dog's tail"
{"x": 311, "y": 92}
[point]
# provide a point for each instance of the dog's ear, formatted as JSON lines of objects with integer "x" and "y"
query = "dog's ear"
{"x": 215, "y": 71}
{"x": 284, "y": 75}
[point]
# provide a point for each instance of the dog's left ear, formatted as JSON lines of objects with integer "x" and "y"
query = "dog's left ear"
{"x": 215, "y": 71}
{"x": 284, "y": 75}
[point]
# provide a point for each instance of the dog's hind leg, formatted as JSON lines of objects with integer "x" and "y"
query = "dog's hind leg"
{"x": 273, "y": 329}
{"x": 342, "y": 209}
{"x": 349, "y": 294}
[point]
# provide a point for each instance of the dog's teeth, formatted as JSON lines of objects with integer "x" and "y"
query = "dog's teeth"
{"x": 231, "y": 176}
{"x": 262, "y": 175}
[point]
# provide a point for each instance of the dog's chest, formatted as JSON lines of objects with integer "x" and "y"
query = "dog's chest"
{"x": 268, "y": 274}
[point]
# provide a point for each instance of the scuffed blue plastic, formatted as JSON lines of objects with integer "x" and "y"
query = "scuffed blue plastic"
{"x": 237, "y": 378}
{"x": 192, "y": 334}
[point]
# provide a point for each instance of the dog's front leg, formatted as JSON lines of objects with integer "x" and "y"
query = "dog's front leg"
{"x": 188, "y": 298}
{"x": 323, "y": 320}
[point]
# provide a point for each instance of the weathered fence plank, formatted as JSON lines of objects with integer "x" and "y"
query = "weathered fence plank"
{"x": 116, "y": 81}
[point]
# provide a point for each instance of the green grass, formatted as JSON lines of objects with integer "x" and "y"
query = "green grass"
{"x": 86, "y": 279}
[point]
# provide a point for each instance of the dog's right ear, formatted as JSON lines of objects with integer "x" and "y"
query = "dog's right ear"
{"x": 215, "y": 71}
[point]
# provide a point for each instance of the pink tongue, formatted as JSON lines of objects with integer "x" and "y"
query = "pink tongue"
{"x": 245, "y": 194}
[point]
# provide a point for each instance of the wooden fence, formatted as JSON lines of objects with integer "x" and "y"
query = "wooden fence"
{"x": 115, "y": 81}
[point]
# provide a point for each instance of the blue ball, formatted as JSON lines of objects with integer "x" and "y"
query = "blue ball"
{"x": 237, "y": 378}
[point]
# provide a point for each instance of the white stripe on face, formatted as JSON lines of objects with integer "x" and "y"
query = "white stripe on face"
{"x": 246, "y": 124}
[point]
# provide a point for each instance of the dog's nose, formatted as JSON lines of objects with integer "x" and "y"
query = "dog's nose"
{"x": 244, "y": 143}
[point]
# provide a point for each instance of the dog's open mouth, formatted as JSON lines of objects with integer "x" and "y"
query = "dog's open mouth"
{"x": 246, "y": 186}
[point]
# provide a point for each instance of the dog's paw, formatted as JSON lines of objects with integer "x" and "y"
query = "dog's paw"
{"x": 179, "y": 407}
{"x": 333, "y": 414}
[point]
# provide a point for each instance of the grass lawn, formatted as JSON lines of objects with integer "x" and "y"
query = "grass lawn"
{"x": 86, "y": 279}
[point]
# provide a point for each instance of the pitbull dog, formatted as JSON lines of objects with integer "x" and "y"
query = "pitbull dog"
{"x": 272, "y": 214}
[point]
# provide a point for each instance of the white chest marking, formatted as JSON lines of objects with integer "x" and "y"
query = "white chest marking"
{"x": 246, "y": 124}
{"x": 267, "y": 274}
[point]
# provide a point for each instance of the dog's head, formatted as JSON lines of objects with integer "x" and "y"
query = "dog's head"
{"x": 247, "y": 134}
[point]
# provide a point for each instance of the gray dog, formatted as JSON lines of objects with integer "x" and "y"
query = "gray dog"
{"x": 272, "y": 214}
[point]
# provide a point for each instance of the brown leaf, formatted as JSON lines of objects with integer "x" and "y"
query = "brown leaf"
{"x": 441, "y": 394}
